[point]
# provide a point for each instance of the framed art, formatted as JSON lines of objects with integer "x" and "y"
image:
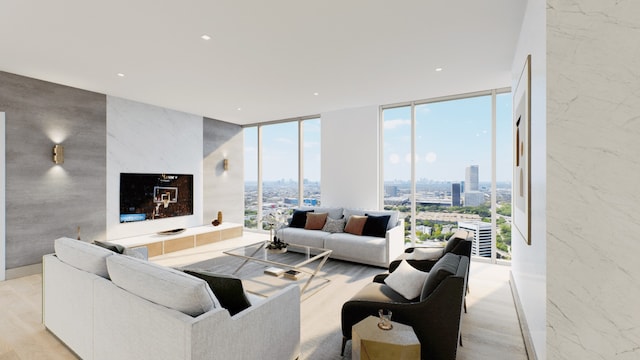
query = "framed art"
{"x": 522, "y": 153}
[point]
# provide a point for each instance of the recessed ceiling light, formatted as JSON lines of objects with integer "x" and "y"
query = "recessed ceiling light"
{"x": 316, "y": 93}
{"x": 239, "y": 109}
{"x": 205, "y": 37}
{"x": 120, "y": 74}
{"x": 439, "y": 69}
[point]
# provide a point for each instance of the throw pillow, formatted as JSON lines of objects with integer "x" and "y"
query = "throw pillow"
{"x": 228, "y": 289}
{"x": 119, "y": 249}
{"x": 407, "y": 280}
{"x": 426, "y": 253}
{"x": 315, "y": 221}
{"x": 355, "y": 224}
{"x": 299, "y": 218}
{"x": 333, "y": 225}
{"x": 376, "y": 225}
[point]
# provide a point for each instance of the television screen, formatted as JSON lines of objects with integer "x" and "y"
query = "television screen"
{"x": 155, "y": 196}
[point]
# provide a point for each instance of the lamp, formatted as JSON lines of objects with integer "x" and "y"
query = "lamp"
{"x": 225, "y": 164}
{"x": 58, "y": 154}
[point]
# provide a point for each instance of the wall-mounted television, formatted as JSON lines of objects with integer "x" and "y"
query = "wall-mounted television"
{"x": 155, "y": 196}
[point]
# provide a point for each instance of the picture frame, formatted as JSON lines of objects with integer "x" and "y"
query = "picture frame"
{"x": 521, "y": 211}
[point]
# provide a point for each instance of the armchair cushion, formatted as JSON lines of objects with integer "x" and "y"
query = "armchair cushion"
{"x": 407, "y": 280}
{"x": 446, "y": 266}
{"x": 227, "y": 289}
{"x": 425, "y": 253}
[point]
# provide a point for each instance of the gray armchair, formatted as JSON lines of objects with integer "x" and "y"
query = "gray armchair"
{"x": 435, "y": 315}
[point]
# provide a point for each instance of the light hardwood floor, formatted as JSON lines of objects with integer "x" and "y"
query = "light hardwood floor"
{"x": 490, "y": 328}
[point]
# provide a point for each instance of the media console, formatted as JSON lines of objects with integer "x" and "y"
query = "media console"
{"x": 158, "y": 244}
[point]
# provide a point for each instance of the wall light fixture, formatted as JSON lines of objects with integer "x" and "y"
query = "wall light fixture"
{"x": 225, "y": 164}
{"x": 58, "y": 154}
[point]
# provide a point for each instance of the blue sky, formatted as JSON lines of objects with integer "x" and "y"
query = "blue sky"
{"x": 451, "y": 135}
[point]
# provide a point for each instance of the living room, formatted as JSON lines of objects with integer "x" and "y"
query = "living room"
{"x": 102, "y": 136}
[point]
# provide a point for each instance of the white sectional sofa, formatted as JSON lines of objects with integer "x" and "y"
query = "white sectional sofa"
{"x": 104, "y": 305}
{"x": 371, "y": 250}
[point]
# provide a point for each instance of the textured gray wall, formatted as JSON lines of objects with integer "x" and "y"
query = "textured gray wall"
{"x": 45, "y": 201}
{"x": 223, "y": 190}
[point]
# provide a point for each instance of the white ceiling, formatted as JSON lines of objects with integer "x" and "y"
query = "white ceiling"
{"x": 266, "y": 57}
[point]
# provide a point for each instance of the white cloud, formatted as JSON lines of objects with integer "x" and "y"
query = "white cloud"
{"x": 394, "y": 158}
{"x": 431, "y": 157}
{"x": 394, "y": 123}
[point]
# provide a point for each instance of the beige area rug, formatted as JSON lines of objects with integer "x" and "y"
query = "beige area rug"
{"x": 321, "y": 334}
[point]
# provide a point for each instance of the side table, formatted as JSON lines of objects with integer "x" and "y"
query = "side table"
{"x": 372, "y": 343}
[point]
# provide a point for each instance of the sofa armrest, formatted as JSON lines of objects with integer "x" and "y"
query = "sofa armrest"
{"x": 395, "y": 241}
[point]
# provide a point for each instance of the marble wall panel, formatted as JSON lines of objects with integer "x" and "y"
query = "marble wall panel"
{"x": 45, "y": 201}
{"x": 593, "y": 165}
{"x": 223, "y": 190}
{"x": 143, "y": 138}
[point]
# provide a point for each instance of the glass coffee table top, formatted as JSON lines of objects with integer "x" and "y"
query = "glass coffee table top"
{"x": 296, "y": 257}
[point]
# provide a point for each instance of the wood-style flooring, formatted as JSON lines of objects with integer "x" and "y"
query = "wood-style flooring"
{"x": 490, "y": 328}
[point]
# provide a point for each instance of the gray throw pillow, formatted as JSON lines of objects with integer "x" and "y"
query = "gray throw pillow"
{"x": 333, "y": 225}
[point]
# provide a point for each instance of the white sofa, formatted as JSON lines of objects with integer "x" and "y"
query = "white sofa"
{"x": 371, "y": 250}
{"x": 98, "y": 319}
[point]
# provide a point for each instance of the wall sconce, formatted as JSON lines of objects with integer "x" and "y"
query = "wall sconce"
{"x": 225, "y": 164}
{"x": 58, "y": 154}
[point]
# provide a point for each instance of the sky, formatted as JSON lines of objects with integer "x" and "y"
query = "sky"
{"x": 450, "y": 136}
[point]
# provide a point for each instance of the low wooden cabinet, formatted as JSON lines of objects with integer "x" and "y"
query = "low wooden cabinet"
{"x": 158, "y": 244}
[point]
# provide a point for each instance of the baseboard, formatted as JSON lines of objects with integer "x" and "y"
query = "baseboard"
{"x": 524, "y": 326}
{"x": 23, "y": 271}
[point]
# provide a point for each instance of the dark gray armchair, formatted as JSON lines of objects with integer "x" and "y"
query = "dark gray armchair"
{"x": 435, "y": 315}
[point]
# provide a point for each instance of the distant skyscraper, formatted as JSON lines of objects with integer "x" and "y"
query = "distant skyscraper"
{"x": 481, "y": 245}
{"x": 471, "y": 178}
{"x": 455, "y": 194}
{"x": 473, "y": 198}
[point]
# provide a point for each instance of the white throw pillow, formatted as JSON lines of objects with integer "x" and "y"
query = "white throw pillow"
{"x": 425, "y": 253}
{"x": 407, "y": 280}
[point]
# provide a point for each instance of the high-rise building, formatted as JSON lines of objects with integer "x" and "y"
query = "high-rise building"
{"x": 473, "y": 198}
{"x": 471, "y": 178}
{"x": 481, "y": 245}
{"x": 455, "y": 194}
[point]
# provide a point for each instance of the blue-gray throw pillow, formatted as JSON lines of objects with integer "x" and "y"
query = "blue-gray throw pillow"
{"x": 376, "y": 225}
{"x": 227, "y": 289}
{"x": 299, "y": 218}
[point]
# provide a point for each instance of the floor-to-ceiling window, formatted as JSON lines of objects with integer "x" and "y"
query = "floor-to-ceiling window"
{"x": 438, "y": 168}
{"x": 282, "y": 168}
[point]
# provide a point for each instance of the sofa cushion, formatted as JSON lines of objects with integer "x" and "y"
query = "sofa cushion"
{"x": 407, "y": 280}
{"x": 227, "y": 289}
{"x": 333, "y": 212}
{"x": 355, "y": 224}
{"x": 376, "y": 225}
{"x": 334, "y": 225}
{"x": 313, "y": 238}
{"x": 162, "y": 285}
{"x": 369, "y": 249}
{"x": 299, "y": 218}
{"x": 445, "y": 267}
{"x": 315, "y": 221}
{"x": 393, "y": 215}
{"x": 83, "y": 256}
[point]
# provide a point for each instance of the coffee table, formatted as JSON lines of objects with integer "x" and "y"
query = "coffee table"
{"x": 296, "y": 257}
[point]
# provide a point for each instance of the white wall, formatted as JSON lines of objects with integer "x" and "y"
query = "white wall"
{"x": 350, "y": 158}
{"x": 593, "y": 146}
{"x": 143, "y": 138}
{"x": 2, "y": 197}
{"x": 529, "y": 262}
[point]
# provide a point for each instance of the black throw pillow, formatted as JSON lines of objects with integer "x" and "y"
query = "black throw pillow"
{"x": 299, "y": 218}
{"x": 119, "y": 249}
{"x": 376, "y": 225}
{"x": 227, "y": 289}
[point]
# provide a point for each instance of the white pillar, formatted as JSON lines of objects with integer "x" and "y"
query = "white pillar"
{"x": 2, "y": 197}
